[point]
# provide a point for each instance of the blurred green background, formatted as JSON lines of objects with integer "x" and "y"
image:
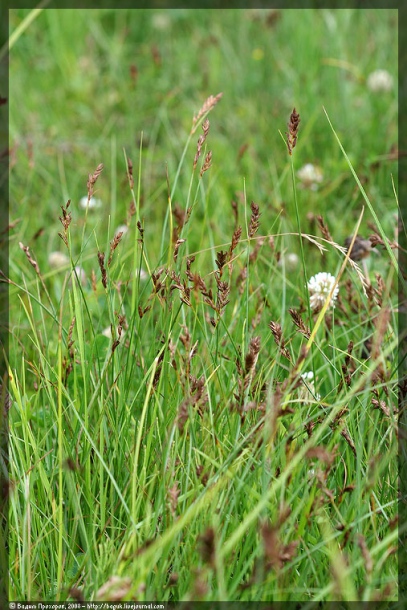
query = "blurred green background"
{"x": 84, "y": 85}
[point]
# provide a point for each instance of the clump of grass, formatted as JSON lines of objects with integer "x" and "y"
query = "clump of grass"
{"x": 172, "y": 419}
{"x": 184, "y": 425}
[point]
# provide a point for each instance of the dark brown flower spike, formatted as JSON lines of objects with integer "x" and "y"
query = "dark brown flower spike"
{"x": 254, "y": 219}
{"x": 101, "y": 259}
{"x": 292, "y": 132}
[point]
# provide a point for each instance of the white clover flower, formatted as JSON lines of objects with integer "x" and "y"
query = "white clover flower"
{"x": 58, "y": 260}
{"x": 161, "y": 21}
{"x": 308, "y": 376}
{"x": 380, "y": 80}
{"x": 142, "y": 274}
{"x": 107, "y": 332}
{"x": 94, "y": 203}
{"x": 121, "y": 229}
{"x": 310, "y": 176}
{"x": 290, "y": 261}
{"x": 319, "y": 287}
{"x": 81, "y": 275}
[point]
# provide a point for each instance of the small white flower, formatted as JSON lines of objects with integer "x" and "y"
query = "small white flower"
{"x": 161, "y": 21}
{"x": 142, "y": 274}
{"x": 310, "y": 176}
{"x": 81, "y": 275}
{"x": 94, "y": 203}
{"x": 307, "y": 392}
{"x": 311, "y": 473}
{"x": 319, "y": 287}
{"x": 380, "y": 80}
{"x": 289, "y": 260}
{"x": 308, "y": 376}
{"x": 107, "y": 332}
{"x": 58, "y": 260}
{"x": 121, "y": 229}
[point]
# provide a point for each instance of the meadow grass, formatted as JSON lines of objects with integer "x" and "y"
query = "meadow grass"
{"x": 184, "y": 424}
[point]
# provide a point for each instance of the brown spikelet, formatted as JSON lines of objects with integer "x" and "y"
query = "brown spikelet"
{"x": 348, "y": 439}
{"x": 221, "y": 259}
{"x": 181, "y": 285}
{"x": 66, "y": 217}
{"x": 131, "y": 212}
{"x": 199, "y": 145}
{"x": 92, "y": 180}
{"x": 235, "y": 240}
{"x": 292, "y": 132}
{"x": 101, "y": 259}
{"x": 277, "y": 333}
{"x": 65, "y": 220}
{"x": 209, "y": 103}
{"x": 130, "y": 173}
{"x": 324, "y": 228}
{"x": 207, "y": 163}
{"x": 222, "y": 296}
{"x": 141, "y": 231}
{"x": 121, "y": 322}
{"x": 298, "y": 321}
{"x": 246, "y": 375}
{"x": 254, "y": 219}
{"x": 201, "y": 140}
{"x": 178, "y": 243}
{"x": 113, "y": 245}
{"x": 30, "y": 259}
{"x": 252, "y": 355}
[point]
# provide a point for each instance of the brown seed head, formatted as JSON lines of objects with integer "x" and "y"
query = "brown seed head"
{"x": 292, "y": 132}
